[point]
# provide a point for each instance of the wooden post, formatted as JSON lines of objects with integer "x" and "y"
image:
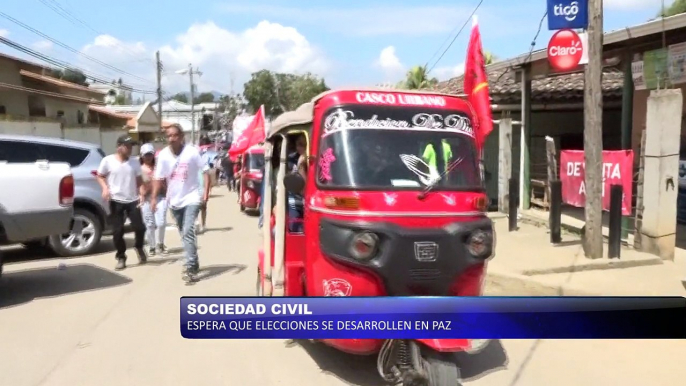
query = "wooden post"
{"x": 504, "y": 163}
{"x": 551, "y": 155}
{"x": 627, "y": 119}
{"x": 525, "y": 140}
{"x": 593, "y": 133}
{"x": 638, "y": 244}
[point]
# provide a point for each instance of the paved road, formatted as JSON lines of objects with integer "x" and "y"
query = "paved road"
{"x": 87, "y": 325}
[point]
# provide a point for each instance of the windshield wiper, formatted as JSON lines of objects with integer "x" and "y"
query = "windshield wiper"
{"x": 422, "y": 195}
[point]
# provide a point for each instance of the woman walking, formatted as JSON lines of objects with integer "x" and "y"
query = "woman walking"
{"x": 156, "y": 223}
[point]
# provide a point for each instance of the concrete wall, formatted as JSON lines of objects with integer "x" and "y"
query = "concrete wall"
{"x": 70, "y": 109}
{"x": 40, "y": 129}
{"x": 639, "y": 119}
{"x": 16, "y": 102}
{"x": 83, "y": 134}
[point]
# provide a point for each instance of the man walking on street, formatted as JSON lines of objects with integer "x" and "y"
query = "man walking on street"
{"x": 180, "y": 166}
{"x": 120, "y": 178}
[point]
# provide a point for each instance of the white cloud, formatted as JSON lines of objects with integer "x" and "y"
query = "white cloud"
{"x": 217, "y": 52}
{"x": 371, "y": 21}
{"x": 636, "y": 5}
{"x": 4, "y": 33}
{"x": 445, "y": 73}
{"x": 389, "y": 63}
{"x": 42, "y": 45}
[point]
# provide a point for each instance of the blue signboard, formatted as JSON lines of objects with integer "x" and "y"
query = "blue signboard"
{"x": 567, "y": 14}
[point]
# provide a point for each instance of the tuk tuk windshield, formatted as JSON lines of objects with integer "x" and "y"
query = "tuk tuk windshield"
{"x": 255, "y": 161}
{"x": 397, "y": 148}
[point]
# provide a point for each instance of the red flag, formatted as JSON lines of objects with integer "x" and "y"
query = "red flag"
{"x": 252, "y": 135}
{"x": 476, "y": 87}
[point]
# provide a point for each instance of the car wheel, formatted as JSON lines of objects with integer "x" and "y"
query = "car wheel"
{"x": 84, "y": 236}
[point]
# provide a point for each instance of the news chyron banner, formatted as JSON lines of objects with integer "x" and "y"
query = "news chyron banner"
{"x": 433, "y": 318}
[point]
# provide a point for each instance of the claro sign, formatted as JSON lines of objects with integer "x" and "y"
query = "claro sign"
{"x": 566, "y": 50}
{"x": 567, "y": 14}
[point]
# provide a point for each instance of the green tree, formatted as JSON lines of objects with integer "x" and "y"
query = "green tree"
{"x": 181, "y": 97}
{"x": 417, "y": 79}
{"x": 489, "y": 58}
{"x": 280, "y": 92}
{"x": 70, "y": 75}
{"x": 205, "y": 97}
{"x": 677, "y": 7}
{"x": 230, "y": 106}
{"x": 120, "y": 100}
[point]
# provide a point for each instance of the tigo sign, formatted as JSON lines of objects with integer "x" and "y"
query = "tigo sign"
{"x": 567, "y": 14}
{"x": 566, "y": 50}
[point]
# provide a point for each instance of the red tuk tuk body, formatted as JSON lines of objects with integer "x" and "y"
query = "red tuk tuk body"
{"x": 420, "y": 229}
{"x": 251, "y": 178}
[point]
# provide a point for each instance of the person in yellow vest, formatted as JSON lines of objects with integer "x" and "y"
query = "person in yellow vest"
{"x": 429, "y": 155}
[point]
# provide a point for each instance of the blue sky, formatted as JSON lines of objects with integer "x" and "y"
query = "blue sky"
{"x": 352, "y": 43}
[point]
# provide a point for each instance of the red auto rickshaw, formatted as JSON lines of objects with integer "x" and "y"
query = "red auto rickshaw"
{"x": 250, "y": 181}
{"x": 394, "y": 205}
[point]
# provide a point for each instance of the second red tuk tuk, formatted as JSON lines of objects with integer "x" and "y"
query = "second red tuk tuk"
{"x": 378, "y": 193}
{"x": 250, "y": 181}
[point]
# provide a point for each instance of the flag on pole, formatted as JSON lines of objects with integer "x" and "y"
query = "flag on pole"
{"x": 476, "y": 86}
{"x": 252, "y": 135}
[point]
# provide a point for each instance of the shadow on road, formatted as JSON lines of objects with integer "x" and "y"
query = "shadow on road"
{"x": 24, "y": 286}
{"x": 18, "y": 253}
{"x": 212, "y": 271}
{"x": 353, "y": 369}
{"x": 491, "y": 359}
{"x": 224, "y": 229}
{"x": 361, "y": 370}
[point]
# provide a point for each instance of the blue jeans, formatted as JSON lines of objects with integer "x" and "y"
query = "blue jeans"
{"x": 155, "y": 223}
{"x": 185, "y": 220}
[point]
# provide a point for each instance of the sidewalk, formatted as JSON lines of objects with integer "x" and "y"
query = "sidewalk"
{"x": 528, "y": 265}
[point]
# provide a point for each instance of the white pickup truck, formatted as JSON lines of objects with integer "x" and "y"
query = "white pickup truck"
{"x": 36, "y": 201}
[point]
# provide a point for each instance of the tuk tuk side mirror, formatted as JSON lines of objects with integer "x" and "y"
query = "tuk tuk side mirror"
{"x": 294, "y": 182}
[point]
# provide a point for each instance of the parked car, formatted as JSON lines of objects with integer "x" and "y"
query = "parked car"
{"x": 91, "y": 213}
{"x": 35, "y": 202}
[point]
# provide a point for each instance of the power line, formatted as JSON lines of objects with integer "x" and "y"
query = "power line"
{"x": 61, "y": 64}
{"x": 39, "y": 33}
{"x": 458, "y": 34}
{"x": 531, "y": 49}
{"x": 65, "y": 13}
{"x": 441, "y": 46}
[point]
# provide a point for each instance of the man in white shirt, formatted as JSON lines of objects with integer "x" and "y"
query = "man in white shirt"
{"x": 181, "y": 166}
{"x": 120, "y": 178}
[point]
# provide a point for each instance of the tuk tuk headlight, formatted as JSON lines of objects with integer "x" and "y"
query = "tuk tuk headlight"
{"x": 251, "y": 185}
{"x": 480, "y": 244}
{"x": 364, "y": 245}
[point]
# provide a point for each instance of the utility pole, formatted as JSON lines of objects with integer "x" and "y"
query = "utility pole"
{"x": 190, "y": 75}
{"x": 593, "y": 133}
{"x": 159, "y": 89}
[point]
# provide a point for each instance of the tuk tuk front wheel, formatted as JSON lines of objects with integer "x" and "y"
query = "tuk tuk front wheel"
{"x": 441, "y": 370}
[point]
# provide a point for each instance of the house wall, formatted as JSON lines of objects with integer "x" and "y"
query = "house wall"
{"x": 16, "y": 102}
{"x": 565, "y": 127}
{"x": 70, "y": 109}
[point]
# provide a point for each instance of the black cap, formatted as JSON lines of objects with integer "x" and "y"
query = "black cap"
{"x": 125, "y": 140}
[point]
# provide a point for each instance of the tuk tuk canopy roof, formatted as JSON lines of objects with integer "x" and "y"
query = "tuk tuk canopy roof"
{"x": 304, "y": 114}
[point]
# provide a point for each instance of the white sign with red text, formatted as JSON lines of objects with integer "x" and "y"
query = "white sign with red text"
{"x": 400, "y": 99}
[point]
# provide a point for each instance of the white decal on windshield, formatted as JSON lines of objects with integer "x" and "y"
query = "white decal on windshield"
{"x": 427, "y": 174}
{"x": 345, "y": 120}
